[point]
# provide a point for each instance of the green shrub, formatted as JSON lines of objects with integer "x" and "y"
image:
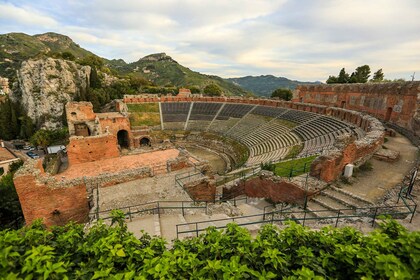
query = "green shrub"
{"x": 295, "y": 252}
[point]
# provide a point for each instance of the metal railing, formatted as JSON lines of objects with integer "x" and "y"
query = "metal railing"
{"x": 367, "y": 212}
{"x": 155, "y": 207}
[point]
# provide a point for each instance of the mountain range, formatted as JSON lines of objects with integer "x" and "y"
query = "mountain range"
{"x": 264, "y": 85}
{"x": 160, "y": 68}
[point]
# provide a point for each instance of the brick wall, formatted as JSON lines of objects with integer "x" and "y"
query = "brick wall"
{"x": 397, "y": 103}
{"x": 56, "y": 205}
{"x": 267, "y": 187}
{"x": 86, "y": 149}
{"x": 202, "y": 190}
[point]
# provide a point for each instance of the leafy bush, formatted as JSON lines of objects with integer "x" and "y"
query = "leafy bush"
{"x": 268, "y": 166}
{"x": 296, "y": 252}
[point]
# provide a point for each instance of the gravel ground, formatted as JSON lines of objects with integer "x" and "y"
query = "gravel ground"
{"x": 161, "y": 187}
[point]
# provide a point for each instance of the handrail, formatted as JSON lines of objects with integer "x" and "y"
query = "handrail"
{"x": 335, "y": 217}
{"x": 160, "y": 202}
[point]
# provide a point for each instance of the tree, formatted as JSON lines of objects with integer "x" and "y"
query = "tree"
{"x": 41, "y": 138}
{"x": 378, "y": 76}
{"x": 212, "y": 90}
{"x": 68, "y": 56}
{"x": 283, "y": 93}
{"x": 194, "y": 89}
{"x": 92, "y": 61}
{"x": 10, "y": 209}
{"x": 95, "y": 81}
{"x": 361, "y": 75}
{"x": 343, "y": 77}
{"x": 332, "y": 80}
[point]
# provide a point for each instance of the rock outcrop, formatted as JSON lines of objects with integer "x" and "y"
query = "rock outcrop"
{"x": 44, "y": 86}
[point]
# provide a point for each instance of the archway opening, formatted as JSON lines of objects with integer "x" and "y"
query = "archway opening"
{"x": 144, "y": 142}
{"x": 122, "y": 137}
{"x": 343, "y": 104}
{"x": 388, "y": 114}
{"x": 81, "y": 129}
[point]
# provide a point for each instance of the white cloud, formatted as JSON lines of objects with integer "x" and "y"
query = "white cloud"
{"x": 26, "y": 16}
{"x": 305, "y": 40}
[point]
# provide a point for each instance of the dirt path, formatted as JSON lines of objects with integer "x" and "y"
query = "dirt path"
{"x": 373, "y": 185}
{"x": 161, "y": 187}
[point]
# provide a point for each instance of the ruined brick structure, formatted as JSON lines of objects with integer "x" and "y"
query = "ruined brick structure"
{"x": 95, "y": 161}
{"x": 95, "y": 136}
{"x": 43, "y": 197}
{"x": 397, "y": 103}
{"x": 268, "y": 187}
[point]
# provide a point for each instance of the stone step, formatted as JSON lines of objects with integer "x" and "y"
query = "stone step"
{"x": 146, "y": 223}
{"x": 301, "y": 215}
{"x": 352, "y": 195}
{"x": 319, "y": 210}
{"x": 343, "y": 198}
{"x": 248, "y": 209}
{"x": 330, "y": 203}
{"x": 168, "y": 224}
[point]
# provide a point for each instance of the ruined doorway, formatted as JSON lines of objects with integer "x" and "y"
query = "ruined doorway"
{"x": 343, "y": 104}
{"x": 122, "y": 137}
{"x": 144, "y": 142}
{"x": 388, "y": 114}
{"x": 81, "y": 129}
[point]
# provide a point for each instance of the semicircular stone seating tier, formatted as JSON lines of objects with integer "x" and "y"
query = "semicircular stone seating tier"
{"x": 270, "y": 133}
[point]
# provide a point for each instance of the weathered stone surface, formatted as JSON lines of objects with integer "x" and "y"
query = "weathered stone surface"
{"x": 387, "y": 155}
{"x": 201, "y": 190}
{"x": 267, "y": 186}
{"x": 46, "y": 85}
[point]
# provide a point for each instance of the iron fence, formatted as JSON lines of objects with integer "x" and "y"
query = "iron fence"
{"x": 302, "y": 216}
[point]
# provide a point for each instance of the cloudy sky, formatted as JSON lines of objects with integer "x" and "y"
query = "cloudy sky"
{"x": 298, "y": 39}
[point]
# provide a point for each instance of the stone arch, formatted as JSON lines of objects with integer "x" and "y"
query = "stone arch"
{"x": 82, "y": 129}
{"x": 145, "y": 141}
{"x": 122, "y": 137}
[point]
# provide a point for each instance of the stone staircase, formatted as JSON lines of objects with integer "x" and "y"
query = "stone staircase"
{"x": 329, "y": 203}
{"x": 165, "y": 224}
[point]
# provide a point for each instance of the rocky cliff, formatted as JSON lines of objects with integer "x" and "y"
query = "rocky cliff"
{"x": 44, "y": 86}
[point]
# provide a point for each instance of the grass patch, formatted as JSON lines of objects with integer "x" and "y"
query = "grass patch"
{"x": 294, "y": 151}
{"x": 144, "y": 107}
{"x": 294, "y": 167}
{"x": 140, "y": 119}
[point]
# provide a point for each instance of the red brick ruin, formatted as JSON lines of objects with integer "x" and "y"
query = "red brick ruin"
{"x": 96, "y": 140}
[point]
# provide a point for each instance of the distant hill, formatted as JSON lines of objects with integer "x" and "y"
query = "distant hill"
{"x": 162, "y": 70}
{"x": 17, "y": 47}
{"x": 159, "y": 68}
{"x": 264, "y": 85}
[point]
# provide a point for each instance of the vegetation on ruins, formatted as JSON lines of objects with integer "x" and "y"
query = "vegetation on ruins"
{"x": 282, "y": 93}
{"x": 295, "y": 252}
{"x": 144, "y": 114}
{"x": 10, "y": 210}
